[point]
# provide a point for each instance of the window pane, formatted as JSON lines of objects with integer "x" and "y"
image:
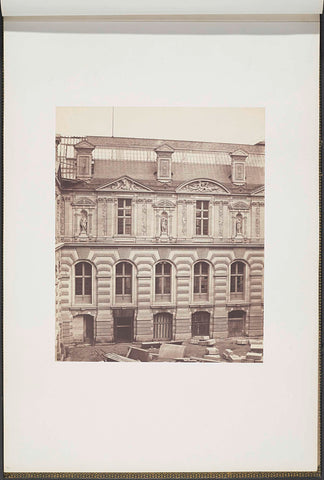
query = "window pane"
{"x": 240, "y": 284}
{"x": 198, "y": 204}
{"x": 198, "y": 229}
{"x": 158, "y": 269}
{"x": 119, "y": 269}
{"x": 120, "y": 226}
{"x": 240, "y": 267}
{"x": 128, "y": 285}
{"x": 87, "y": 286}
{"x": 87, "y": 268}
{"x": 197, "y": 269}
{"x": 204, "y": 267}
{"x": 78, "y": 269}
{"x": 120, "y": 203}
{"x": 119, "y": 286}
{"x": 167, "y": 268}
{"x": 204, "y": 285}
{"x": 196, "y": 284}
{"x": 78, "y": 286}
{"x": 205, "y": 205}
{"x": 158, "y": 285}
{"x": 232, "y": 284}
{"x": 205, "y": 227}
{"x": 128, "y": 268}
{"x": 128, "y": 202}
{"x": 167, "y": 285}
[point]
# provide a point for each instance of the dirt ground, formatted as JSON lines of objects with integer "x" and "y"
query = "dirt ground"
{"x": 87, "y": 353}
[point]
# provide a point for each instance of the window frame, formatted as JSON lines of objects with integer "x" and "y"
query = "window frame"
{"x": 202, "y": 218}
{"x": 124, "y": 297}
{"x": 199, "y": 296}
{"x": 83, "y": 299}
{"x": 124, "y": 217}
{"x": 163, "y": 296}
{"x": 237, "y": 280}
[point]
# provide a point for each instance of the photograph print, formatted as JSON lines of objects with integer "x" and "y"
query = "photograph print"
{"x": 159, "y": 234}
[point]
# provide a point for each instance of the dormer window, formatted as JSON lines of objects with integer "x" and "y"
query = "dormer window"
{"x": 238, "y": 167}
{"x": 84, "y": 159}
{"x": 164, "y": 154}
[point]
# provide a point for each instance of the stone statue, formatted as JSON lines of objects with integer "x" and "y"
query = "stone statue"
{"x": 83, "y": 222}
{"x": 239, "y": 224}
{"x": 164, "y": 224}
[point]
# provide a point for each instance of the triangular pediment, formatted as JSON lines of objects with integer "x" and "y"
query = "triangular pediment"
{"x": 124, "y": 184}
{"x": 239, "y": 153}
{"x": 202, "y": 185}
{"x": 164, "y": 148}
{"x": 84, "y": 144}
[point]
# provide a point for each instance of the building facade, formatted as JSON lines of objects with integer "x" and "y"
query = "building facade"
{"x": 158, "y": 239}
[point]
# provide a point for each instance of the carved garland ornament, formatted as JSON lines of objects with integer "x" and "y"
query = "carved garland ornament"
{"x": 202, "y": 186}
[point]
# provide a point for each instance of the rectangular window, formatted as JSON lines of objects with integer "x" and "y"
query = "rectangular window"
{"x": 124, "y": 222}
{"x": 202, "y": 211}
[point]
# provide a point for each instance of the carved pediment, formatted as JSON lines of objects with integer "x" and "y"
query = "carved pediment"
{"x": 124, "y": 184}
{"x": 164, "y": 204}
{"x": 83, "y": 202}
{"x": 239, "y": 206}
{"x": 202, "y": 186}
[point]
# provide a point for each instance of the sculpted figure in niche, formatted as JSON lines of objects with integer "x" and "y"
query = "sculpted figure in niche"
{"x": 239, "y": 224}
{"x": 84, "y": 222}
{"x": 164, "y": 223}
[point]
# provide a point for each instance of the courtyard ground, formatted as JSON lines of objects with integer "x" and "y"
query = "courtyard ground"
{"x": 87, "y": 353}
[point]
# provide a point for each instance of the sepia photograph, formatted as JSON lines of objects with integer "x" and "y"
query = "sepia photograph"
{"x": 159, "y": 251}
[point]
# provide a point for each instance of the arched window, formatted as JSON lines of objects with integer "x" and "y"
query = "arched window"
{"x": 83, "y": 282}
{"x": 201, "y": 274}
{"x": 163, "y": 281}
{"x": 124, "y": 272}
{"x": 237, "y": 280}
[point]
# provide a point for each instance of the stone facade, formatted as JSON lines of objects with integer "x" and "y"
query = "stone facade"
{"x": 158, "y": 240}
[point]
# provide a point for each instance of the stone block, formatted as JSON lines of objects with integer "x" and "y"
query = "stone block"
{"x": 171, "y": 351}
{"x": 207, "y": 343}
{"x": 140, "y": 354}
{"x": 213, "y": 357}
{"x": 206, "y": 337}
{"x": 256, "y": 348}
{"x": 194, "y": 341}
{"x": 228, "y": 351}
{"x": 151, "y": 344}
{"x": 212, "y": 351}
{"x": 254, "y": 356}
{"x": 256, "y": 341}
{"x": 234, "y": 358}
{"x": 242, "y": 341}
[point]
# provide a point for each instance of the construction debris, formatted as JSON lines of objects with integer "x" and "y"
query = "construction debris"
{"x": 212, "y": 351}
{"x": 170, "y": 351}
{"x": 151, "y": 344}
{"x": 217, "y": 358}
{"x": 140, "y": 354}
{"x": 242, "y": 341}
{"x": 253, "y": 356}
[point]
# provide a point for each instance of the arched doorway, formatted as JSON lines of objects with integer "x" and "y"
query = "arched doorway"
{"x": 236, "y": 323}
{"x": 200, "y": 323}
{"x": 162, "y": 326}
